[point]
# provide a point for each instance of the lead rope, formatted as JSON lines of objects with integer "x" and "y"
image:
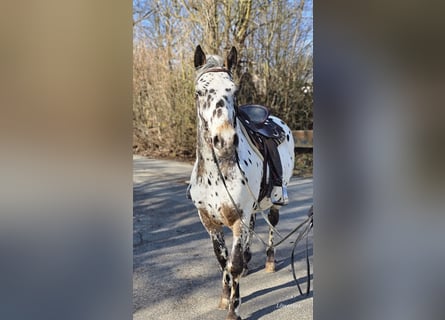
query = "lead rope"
{"x": 308, "y": 223}
{"x": 305, "y": 233}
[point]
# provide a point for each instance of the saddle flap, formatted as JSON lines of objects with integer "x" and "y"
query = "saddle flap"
{"x": 254, "y": 113}
{"x": 271, "y": 130}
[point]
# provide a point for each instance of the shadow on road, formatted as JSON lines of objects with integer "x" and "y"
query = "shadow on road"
{"x": 174, "y": 268}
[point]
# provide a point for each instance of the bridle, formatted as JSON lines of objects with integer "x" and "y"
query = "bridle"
{"x": 205, "y": 122}
{"x": 214, "y": 69}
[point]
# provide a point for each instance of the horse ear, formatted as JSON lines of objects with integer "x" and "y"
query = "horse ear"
{"x": 200, "y": 57}
{"x": 232, "y": 59}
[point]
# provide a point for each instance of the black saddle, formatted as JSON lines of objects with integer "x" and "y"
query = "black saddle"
{"x": 255, "y": 117}
{"x": 267, "y": 136}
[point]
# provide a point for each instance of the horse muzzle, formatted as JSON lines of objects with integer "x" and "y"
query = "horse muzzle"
{"x": 225, "y": 141}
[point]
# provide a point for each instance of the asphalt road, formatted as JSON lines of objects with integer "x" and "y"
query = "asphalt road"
{"x": 175, "y": 273}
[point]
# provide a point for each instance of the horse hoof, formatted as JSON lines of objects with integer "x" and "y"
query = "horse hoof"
{"x": 223, "y": 304}
{"x": 270, "y": 267}
{"x": 233, "y": 317}
{"x": 245, "y": 272}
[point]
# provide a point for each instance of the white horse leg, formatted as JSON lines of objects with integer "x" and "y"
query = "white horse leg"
{"x": 248, "y": 241}
{"x": 219, "y": 246}
{"x": 273, "y": 216}
{"x": 234, "y": 271}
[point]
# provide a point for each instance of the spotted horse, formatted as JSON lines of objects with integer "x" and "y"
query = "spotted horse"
{"x": 225, "y": 183}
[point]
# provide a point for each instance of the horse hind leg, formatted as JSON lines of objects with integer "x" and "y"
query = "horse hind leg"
{"x": 273, "y": 216}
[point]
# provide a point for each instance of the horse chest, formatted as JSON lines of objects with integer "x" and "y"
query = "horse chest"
{"x": 241, "y": 180}
{"x": 209, "y": 191}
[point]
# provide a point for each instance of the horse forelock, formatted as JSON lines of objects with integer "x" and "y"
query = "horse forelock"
{"x": 212, "y": 61}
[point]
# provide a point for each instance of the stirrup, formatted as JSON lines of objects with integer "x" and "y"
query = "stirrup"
{"x": 280, "y": 200}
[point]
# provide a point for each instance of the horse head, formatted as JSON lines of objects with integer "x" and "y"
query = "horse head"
{"x": 215, "y": 101}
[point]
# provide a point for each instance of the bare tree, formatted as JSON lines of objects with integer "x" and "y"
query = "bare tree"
{"x": 275, "y": 49}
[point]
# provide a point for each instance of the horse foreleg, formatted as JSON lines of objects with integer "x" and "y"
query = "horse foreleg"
{"x": 273, "y": 216}
{"x": 219, "y": 246}
{"x": 235, "y": 269}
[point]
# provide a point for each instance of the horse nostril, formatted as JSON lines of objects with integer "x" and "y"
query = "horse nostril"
{"x": 218, "y": 142}
{"x": 215, "y": 141}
